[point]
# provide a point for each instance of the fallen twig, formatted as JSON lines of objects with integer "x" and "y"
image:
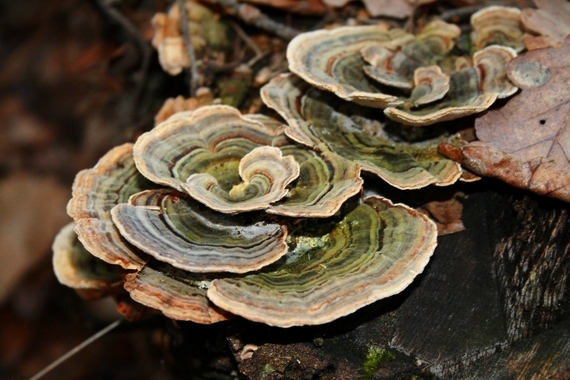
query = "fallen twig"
{"x": 254, "y": 16}
{"x": 460, "y": 13}
{"x": 76, "y": 349}
{"x": 243, "y": 35}
{"x": 134, "y": 33}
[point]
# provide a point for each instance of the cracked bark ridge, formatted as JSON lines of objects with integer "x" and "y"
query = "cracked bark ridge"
{"x": 532, "y": 263}
{"x": 453, "y": 320}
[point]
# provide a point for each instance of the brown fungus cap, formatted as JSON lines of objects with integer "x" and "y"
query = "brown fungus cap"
{"x": 77, "y": 268}
{"x": 94, "y": 193}
{"x": 178, "y": 295}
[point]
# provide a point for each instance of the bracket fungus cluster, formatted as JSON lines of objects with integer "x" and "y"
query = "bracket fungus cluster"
{"x": 419, "y": 79}
{"x": 213, "y": 213}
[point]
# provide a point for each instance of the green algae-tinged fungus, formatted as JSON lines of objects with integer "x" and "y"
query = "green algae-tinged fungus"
{"x": 430, "y": 84}
{"x": 320, "y": 120}
{"x": 373, "y": 252}
{"x": 219, "y": 157}
{"x": 418, "y": 80}
{"x": 210, "y": 140}
{"x": 189, "y": 236}
{"x": 233, "y": 163}
{"x": 472, "y": 89}
{"x": 497, "y": 25}
{"x": 178, "y": 295}
{"x": 331, "y": 61}
{"x": 491, "y": 63}
{"x": 395, "y": 65}
{"x": 325, "y": 182}
{"x": 75, "y": 267}
{"x": 265, "y": 174}
{"x": 154, "y": 209}
{"x": 94, "y": 193}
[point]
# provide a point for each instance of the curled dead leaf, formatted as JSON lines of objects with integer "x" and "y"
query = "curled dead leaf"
{"x": 526, "y": 143}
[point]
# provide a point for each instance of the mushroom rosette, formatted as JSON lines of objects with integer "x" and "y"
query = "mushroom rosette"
{"x": 235, "y": 163}
{"x": 214, "y": 214}
{"x": 417, "y": 79}
{"x": 211, "y": 201}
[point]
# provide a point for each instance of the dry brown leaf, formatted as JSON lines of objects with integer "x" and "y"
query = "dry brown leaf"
{"x": 446, "y": 214}
{"x": 538, "y": 175}
{"x": 551, "y": 21}
{"x": 527, "y": 142}
{"x": 171, "y": 106}
{"x": 387, "y": 8}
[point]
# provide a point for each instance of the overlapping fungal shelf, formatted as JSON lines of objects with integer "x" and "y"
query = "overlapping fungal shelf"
{"x": 213, "y": 214}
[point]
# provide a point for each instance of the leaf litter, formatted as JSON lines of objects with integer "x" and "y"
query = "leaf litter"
{"x": 526, "y": 143}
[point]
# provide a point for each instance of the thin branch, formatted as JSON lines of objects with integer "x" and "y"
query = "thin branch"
{"x": 189, "y": 48}
{"x": 134, "y": 33}
{"x": 254, "y": 16}
{"x": 460, "y": 13}
{"x": 76, "y": 349}
{"x": 243, "y": 35}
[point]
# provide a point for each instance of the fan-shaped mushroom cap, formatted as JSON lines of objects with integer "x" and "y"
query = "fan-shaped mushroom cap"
{"x": 318, "y": 119}
{"x": 374, "y": 252}
{"x": 439, "y": 36}
{"x": 178, "y": 295}
{"x": 472, "y": 90}
{"x": 211, "y": 140}
{"x": 331, "y": 61}
{"x": 75, "y": 267}
{"x": 188, "y": 236}
{"x": 94, "y": 193}
{"x": 491, "y": 64}
{"x": 396, "y": 65}
{"x": 325, "y": 182}
{"x": 497, "y": 25}
{"x": 430, "y": 84}
{"x": 265, "y": 174}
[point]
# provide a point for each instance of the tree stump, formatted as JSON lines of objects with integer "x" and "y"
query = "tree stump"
{"x": 492, "y": 303}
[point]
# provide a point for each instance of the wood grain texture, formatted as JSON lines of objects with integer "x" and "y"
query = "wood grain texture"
{"x": 532, "y": 262}
{"x": 454, "y": 318}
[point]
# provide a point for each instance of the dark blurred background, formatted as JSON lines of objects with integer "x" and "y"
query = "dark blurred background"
{"x": 73, "y": 83}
